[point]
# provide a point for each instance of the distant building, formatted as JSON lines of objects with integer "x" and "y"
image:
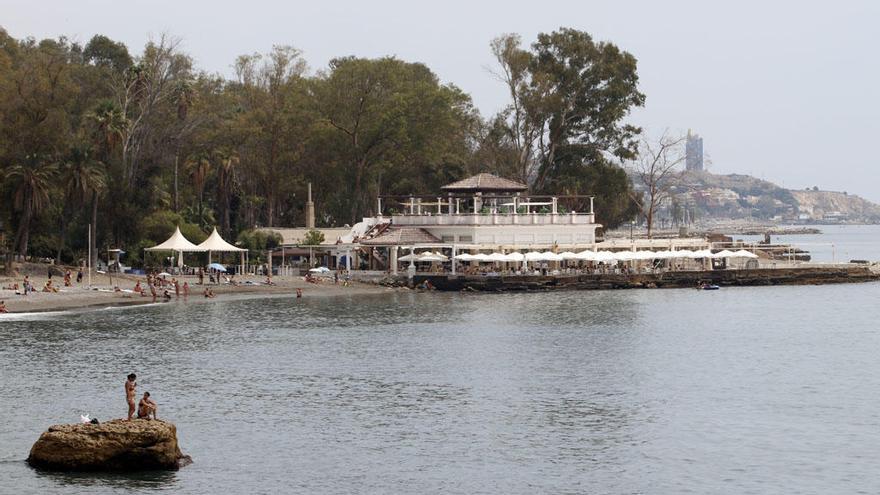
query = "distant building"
{"x": 694, "y": 153}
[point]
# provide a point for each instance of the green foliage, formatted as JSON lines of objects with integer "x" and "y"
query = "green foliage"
{"x": 134, "y": 143}
{"x": 313, "y": 238}
{"x": 259, "y": 240}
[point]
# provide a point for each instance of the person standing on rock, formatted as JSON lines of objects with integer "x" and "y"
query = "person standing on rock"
{"x": 130, "y": 392}
{"x": 147, "y": 407}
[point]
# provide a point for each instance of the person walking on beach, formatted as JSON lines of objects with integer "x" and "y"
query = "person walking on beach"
{"x": 130, "y": 392}
{"x": 146, "y": 407}
{"x": 176, "y": 287}
{"x": 79, "y": 275}
{"x": 27, "y": 285}
{"x": 185, "y": 289}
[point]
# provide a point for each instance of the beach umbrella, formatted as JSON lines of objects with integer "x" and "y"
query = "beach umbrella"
{"x": 218, "y": 267}
{"x": 480, "y": 257}
{"x": 464, "y": 257}
{"x": 625, "y": 255}
{"x": 703, "y": 253}
{"x": 534, "y": 256}
{"x": 742, "y": 253}
{"x": 320, "y": 269}
{"x": 515, "y": 257}
{"x": 428, "y": 256}
{"x": 409, "y": 257}
{"x": 164, "y": 274}
{"x": 497, "y": 257}
{"x": 684, "y": 253}
{"x": 724, "y": 254}
{"x": 586, "y": 255}
{"x": 568, "y": 255}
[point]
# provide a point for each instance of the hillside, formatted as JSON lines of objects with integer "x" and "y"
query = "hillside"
{"x": 823, "y": 205}
{"x": 703, "y": 195}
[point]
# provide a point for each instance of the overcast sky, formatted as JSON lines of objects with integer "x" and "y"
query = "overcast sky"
{"x": 786, "y": 91}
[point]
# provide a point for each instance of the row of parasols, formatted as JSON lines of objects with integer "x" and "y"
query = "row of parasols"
{"x": 595, "y": 256}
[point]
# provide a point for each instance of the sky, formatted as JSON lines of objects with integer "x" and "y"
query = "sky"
{"x": 788, "y": 91}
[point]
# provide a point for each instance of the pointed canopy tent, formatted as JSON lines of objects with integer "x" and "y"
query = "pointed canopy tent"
{"x": 177, "y": 243}
{"x": 216, "y": 243}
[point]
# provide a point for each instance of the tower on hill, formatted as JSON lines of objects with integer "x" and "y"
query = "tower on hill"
{"x": 693, "y": 152}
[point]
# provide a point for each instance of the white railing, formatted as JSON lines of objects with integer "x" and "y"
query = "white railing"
{"x": 496, "y": 219}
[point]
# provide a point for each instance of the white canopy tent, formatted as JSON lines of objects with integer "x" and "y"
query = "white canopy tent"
{"x": 216, "y": 243}
{"x": 177, "y": 243}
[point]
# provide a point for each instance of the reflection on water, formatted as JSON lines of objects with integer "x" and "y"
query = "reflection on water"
{"x": 761, "y": 390}
{"x": 149, "y": 480}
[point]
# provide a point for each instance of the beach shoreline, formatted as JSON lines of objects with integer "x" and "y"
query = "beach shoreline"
{"x": 102, "y": 294}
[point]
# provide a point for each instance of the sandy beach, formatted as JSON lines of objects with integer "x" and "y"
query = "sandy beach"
{"x": 102, "y": 293}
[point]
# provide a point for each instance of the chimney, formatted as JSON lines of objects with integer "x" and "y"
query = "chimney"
{"x": 310, "y": 210}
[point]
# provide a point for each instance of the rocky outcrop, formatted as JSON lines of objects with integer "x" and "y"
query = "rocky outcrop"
{"x": 116, "y": 445}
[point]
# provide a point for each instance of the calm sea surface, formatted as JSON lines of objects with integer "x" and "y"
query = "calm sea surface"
{"x": 836, "y": 243}
{"x": 743, "y": 390}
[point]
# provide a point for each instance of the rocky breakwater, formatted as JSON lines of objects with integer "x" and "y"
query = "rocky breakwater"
{"x": 116, "y": 445}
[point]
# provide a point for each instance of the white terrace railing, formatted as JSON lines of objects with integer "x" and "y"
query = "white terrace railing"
{"x": 495, "y": 219}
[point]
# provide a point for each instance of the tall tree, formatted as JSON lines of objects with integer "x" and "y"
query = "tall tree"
{"x": 81, "y": 175}
{"x": 387, "y": 113}
{"x": 32, "y": 181}
{"x": 141, "y": 92}
{"x": 656, "y": 172}
{"x": 570, "y": 96}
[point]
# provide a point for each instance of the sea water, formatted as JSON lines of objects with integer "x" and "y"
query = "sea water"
{"x": 742, "y": 390}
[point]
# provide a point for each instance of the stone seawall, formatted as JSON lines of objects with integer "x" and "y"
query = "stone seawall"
{"x": 683, "y": 279}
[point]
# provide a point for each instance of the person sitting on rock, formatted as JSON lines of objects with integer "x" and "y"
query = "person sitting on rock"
{"x": 147, "y": 407}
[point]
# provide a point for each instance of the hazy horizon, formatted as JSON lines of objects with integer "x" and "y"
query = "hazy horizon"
{"x": 784, "y": 92}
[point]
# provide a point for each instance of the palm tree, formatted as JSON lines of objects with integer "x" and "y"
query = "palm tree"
{"x": 110, "y": 124}
{"x": 226, "y": 177}
{"x": 32, "y": 181}
{"x": 199, "y": 168}
{"x": 184, "y": 96}
{"x": 82, "y": 177}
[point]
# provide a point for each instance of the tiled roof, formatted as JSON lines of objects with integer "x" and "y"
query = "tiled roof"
{"x": 486, "y": 182}
{"x": 401, "y": 236}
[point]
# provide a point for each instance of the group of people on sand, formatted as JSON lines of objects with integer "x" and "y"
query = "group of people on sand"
{"x": 27, "y": 287}
{"x": 157, "y": 284}
{"x": 146, "y": 408}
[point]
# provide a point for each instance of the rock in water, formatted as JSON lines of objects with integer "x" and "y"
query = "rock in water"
{"x": 116, "y": 445}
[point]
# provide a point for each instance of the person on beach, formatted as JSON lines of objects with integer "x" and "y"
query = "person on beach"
{"x": 27, "y": 285}
{"x": 130, "y": 392}
{"x": 209, "y": 293}
{"x": 3, "y": 307}
{"x": 176, "y": 287}
{"x": 185, "y": 289}
{"x": 201, "y": 276}
{"x": 49, "y": 287}
{"x": 166, "y": 295}
{"x": 147, "y": 407}
{"x": 299, "y": 293}
{"x": 79, "y": 276}
{"x": 67, "y": 278}
{"x": 138, "y": 288}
